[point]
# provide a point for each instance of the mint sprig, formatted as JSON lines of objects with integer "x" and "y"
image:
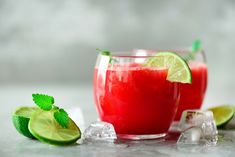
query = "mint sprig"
{"x": 46, "y": 103}
{"x": 195, "y": 48}
{"x": 105, "y": 53}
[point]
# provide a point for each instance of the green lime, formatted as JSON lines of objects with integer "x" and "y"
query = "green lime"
{"x": 178, "y": 69}
{"x": 21, "y": 119}
{"x": 222, "y": 114}
{"x": 45, "y": 128}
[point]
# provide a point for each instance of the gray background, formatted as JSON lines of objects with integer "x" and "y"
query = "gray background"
{"x": 48, "y": 46}
{"x": 54, "y": 41}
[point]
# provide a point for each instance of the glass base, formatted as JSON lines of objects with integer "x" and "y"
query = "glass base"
{"x": 141, "y": 137}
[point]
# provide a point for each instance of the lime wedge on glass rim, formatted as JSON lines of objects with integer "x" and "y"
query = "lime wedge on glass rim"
{"x": 178, "y": 69}
{"x": 222, "y": 114}
{"x": 21, "y": 118}
{"x": 46, "y": 129}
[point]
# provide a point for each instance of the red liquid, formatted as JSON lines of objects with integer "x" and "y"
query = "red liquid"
{"x": 135, "y": 99}
{"x": 192, "y": 95}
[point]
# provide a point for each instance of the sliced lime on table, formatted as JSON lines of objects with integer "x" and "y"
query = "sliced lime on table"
{"x": 222, "y": 114}
{"x": 178, "y": 69}
{"x": 46, "y": 129}
{"x": 21, "y": 119}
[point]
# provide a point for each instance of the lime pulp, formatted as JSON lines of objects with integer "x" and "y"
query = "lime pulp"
{"x": 46, "y": 129}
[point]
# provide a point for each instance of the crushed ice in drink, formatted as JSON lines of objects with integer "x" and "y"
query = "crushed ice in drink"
{"x": 99, "y": 131}
{"x": 197, "y": 127}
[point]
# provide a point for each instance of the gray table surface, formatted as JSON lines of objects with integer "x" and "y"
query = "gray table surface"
{"x": 79, "y": 100}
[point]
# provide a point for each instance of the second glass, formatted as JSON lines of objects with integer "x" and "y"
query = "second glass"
{"x": 192, "y": 95}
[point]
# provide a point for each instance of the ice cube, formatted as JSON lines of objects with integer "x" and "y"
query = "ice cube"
{"x": 190, "y": 140}
{"x": 99, "y": 131}
{"x": 197, "y": 127}
{"x": 190, "y": 136}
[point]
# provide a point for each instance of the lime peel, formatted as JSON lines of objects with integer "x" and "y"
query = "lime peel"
{"x": 21, "y": 118}
{"x": 222, "y": 114}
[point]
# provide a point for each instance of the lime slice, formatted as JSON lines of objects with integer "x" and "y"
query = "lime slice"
{"x": 45, "y": 128}
{"x": 222, "y": 114}
{"x": 178, "y": 69}
{"x": 20, "y": 119}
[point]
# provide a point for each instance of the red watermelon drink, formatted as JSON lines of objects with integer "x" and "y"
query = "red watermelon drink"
{"x": 137, "y": 99}
{"x": 192, "y": 95}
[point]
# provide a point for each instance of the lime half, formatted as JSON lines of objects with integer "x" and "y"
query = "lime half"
{"x": 178, "y": 69}
{"x": 46, "y": 129}
{"x": 21, "y": 119}
{"x": 222, "y": 114}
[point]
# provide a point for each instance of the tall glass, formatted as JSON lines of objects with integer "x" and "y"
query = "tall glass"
{"x": 137, "y": 100}
{"x": 192, "y": 95}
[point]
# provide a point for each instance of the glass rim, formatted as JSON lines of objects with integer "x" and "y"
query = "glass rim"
{"x": 146, "y": 53}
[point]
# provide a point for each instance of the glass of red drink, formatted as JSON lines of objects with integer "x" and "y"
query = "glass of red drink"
{"x": 192, "y": 95}
{"x": 137, "y": 100}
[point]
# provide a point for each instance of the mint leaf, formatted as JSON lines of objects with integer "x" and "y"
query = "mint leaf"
{"x": 104, "y": 52}
{"x": 45, "y": 102}
{"x": 61, "y": 116}
{"x": 196, "y": 45}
